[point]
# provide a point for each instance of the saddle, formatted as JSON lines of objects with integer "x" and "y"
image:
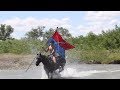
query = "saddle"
{"x": 51, "y": 56}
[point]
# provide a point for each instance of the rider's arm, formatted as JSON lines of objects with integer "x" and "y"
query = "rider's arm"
{"x": 52, "y": 51}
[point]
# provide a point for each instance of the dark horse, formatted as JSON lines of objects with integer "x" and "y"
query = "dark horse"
{"x": 49, "y": 66}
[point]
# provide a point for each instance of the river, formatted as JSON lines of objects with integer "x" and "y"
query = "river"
{"x": 71, "y": 71}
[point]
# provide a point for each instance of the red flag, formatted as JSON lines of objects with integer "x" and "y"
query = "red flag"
{"x": 57, "y": 37}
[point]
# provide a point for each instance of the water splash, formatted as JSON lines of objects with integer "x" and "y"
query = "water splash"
{"x": 71, "y": 72}
{"x": 33, "y": 49}
{"x": 43, "y": 73}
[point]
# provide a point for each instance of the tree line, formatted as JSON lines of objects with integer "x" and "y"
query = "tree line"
{"x": 35, "y": 33}
{"x": 102, "y": 48}
{"x": 107, "y": 40}
{"x": 31, "y": 43}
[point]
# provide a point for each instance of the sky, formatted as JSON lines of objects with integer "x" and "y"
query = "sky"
{"x": 77, "y": 22}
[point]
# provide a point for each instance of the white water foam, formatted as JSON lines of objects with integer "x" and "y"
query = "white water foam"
{"x": 43, "y": 73}
{"x": 71, "y": 72}
{"x": 39, "y": 73}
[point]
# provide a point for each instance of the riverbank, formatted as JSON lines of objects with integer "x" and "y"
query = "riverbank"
{"x": 15, "y": 62}
{"x": 18, "y": 62}
{"x": 98, "y": 62}
{"x": 94, "y": 56}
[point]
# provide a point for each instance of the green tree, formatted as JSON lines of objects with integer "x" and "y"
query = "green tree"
{"x": 35, "y": 33}
{"x": 5, "y": 32}
{"x": 48, "y": 34}
{"x": 64, "y": 32}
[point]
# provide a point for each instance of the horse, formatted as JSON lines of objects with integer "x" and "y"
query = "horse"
{"x": 49, "y": 66}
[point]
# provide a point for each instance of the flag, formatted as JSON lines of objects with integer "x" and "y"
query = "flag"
{"x": 57, "y": 37}
{"x": 60, "y": 44}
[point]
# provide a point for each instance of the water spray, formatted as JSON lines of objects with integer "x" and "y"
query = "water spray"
{"x": 30, "y": 64}
{"x": 33, "y": 50}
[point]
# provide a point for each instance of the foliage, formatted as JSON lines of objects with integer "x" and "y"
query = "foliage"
{"x": 23, "y": 46}
{"x": 35, "y": 33}
{"x": 5, "y": 32}
{"x": 103, "y": 47}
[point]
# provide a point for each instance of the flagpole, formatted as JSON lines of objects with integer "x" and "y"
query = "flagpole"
{"x": 58, "y": 40}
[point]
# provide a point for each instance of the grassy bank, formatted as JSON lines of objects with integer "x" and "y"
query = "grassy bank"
{"x": 20, "y": 49}
{"x": 22, "y": 61}
{"x": 95, "y": 56}
{"x": 20, "y": 46}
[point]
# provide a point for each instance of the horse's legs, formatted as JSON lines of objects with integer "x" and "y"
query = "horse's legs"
{"x": 61, "y": 63}
{"x": 47, "y": 72}
{"x": 50, "y": 75}
{"x": 61, "y": 68}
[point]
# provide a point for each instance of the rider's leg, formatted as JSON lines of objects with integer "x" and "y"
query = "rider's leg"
{"x": 54, "y": 59}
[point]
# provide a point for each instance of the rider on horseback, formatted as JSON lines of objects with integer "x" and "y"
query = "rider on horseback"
{"x": 51, "y": 49}
{"x": 53, "y": 54}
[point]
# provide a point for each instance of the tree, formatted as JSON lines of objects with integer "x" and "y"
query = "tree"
{"x": 35, "y": 33}
{"x": 48, "y": 34}
{"x": 5, "y": 32}
{"x": 64, "y": 32}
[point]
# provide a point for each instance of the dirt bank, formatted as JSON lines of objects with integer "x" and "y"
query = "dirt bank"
{"x": 11, "y": 61}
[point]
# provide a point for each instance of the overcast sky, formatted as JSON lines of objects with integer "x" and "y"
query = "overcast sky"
{"x": 77, "y": 22}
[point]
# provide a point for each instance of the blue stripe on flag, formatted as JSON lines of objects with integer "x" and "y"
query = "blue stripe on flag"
{"x": 58, "y": 48}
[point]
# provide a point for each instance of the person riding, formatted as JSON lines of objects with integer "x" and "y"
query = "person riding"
{"x": 51, "y": 49}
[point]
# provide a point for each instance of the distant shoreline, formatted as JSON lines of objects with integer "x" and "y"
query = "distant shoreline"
{"x": 98, "y": 62}
{"x": 20, "y": 62}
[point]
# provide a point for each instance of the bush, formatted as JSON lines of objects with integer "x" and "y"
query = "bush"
{"x": 20, "y": 46}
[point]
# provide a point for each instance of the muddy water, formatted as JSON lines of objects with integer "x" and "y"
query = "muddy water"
{"x": 72, "y": 71}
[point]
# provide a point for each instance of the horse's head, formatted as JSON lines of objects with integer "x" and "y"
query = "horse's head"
{"x": 39, "y": 59}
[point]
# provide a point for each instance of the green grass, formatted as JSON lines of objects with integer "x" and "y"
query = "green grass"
{"x": 20, "y": 46}
{"x": 103, "y": 56}
{"x": 34, "y": 46}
